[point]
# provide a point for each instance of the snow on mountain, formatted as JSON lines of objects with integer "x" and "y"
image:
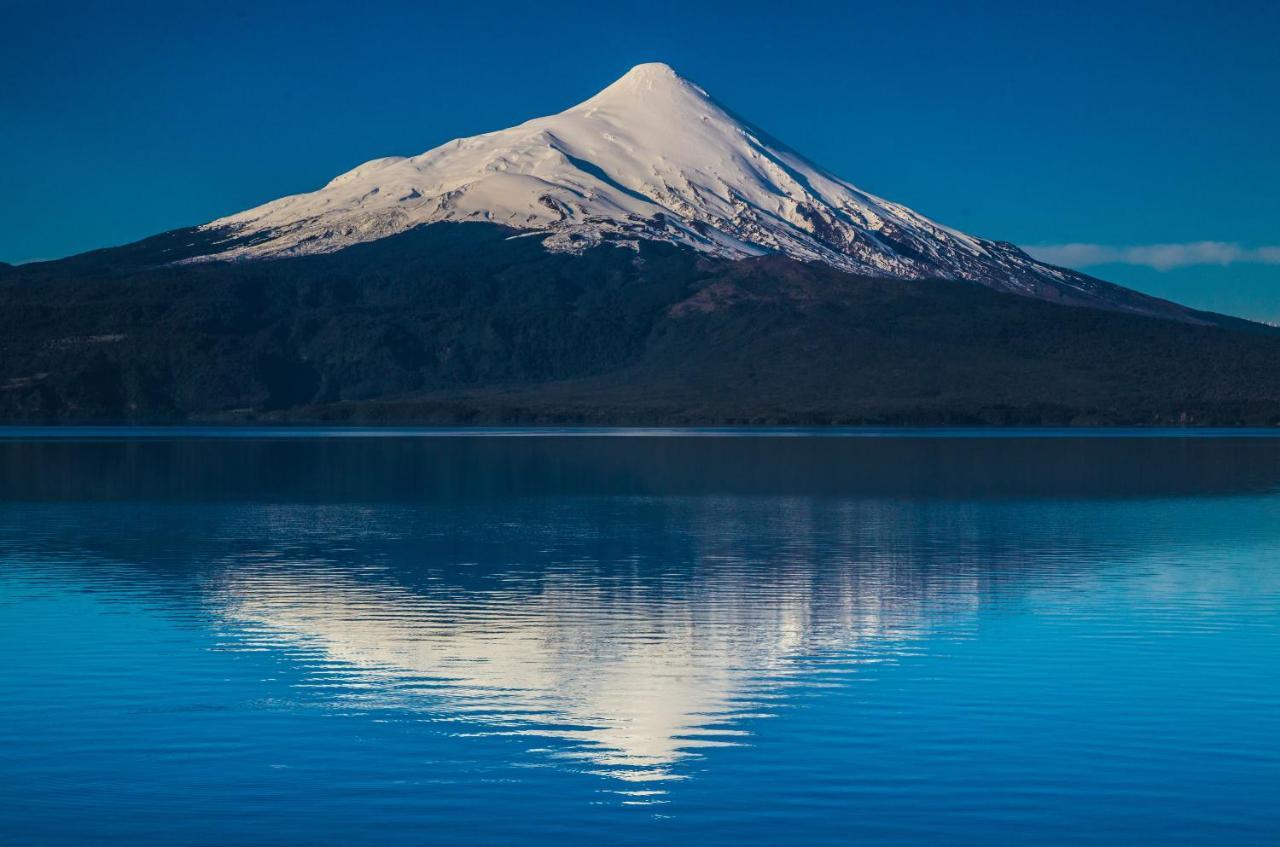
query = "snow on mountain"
{"x": 652, "y": 156}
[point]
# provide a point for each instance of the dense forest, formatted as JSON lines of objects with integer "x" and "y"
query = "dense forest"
{"x": 462, "y": 323}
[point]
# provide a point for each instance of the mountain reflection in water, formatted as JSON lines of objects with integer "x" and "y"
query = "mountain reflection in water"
{"x": 637, "y": 660}
{"x": 620, "y": 609}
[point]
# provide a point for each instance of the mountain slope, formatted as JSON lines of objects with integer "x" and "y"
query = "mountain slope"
{"x": 642, "y": 258}
{"x": 460, "y": 323}
{"x": 651, "y": 157}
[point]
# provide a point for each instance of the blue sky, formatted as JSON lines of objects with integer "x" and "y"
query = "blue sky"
{"x": 1111, "y": 127}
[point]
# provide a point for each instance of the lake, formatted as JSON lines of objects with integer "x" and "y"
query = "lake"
{"x": 639, "y": 637}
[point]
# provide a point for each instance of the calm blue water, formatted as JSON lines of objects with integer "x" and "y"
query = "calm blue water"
{"x": 265, "y": 637}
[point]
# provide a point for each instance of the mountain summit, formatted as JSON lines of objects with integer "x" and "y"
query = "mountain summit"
{"x": 651, "y": 157}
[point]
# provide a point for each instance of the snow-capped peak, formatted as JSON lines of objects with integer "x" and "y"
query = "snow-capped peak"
{"x": 652, "y": 156}
{"x": 648, "y": 77}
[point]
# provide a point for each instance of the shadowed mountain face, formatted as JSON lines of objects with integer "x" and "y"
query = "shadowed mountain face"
{"x": 464, "y": 323}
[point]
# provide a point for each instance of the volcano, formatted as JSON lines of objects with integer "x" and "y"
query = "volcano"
{"x": 642, "y": 257}
{"x": 651, "y": 157}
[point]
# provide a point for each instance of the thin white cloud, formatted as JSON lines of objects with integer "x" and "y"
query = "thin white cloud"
{"x": 1162, "y": 257}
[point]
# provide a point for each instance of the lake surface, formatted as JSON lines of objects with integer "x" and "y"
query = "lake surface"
{"x": 284, "y": 637}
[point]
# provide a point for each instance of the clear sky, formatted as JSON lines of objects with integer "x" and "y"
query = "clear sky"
{"x": 1092, "y": 131}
